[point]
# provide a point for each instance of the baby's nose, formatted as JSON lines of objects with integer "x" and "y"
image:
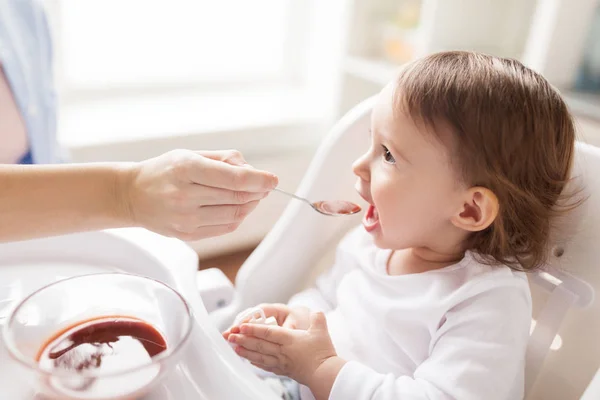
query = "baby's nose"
{"x": 361, "y": 168}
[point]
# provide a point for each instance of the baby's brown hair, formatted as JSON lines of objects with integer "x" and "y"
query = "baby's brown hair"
{"x": 511, "y": 133}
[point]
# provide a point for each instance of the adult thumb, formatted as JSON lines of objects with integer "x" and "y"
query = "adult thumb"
{"x": 318, "y": 322}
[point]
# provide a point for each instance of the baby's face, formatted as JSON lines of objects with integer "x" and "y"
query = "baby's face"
{"x": 407, "y": 178}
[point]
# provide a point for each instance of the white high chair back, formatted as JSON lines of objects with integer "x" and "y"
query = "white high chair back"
{"x": 564, "y": 349}
{"x": 558, "y": 367}
{"x": 280, "y": 265}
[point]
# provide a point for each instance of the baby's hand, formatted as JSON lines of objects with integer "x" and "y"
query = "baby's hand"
{"x": 287, "y": 317}
{"x": 297, "y": 318}
{"x": 294, "y": 353}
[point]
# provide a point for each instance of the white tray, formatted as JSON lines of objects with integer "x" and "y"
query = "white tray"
{"x": 209, "y": 368}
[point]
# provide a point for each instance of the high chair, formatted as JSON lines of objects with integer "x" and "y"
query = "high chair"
{"x": 564, "y": 349}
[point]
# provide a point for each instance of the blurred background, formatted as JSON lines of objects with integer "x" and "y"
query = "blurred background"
{"x": 137, "y": 78}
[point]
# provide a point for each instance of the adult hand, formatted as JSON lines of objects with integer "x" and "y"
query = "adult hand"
{"x": 192, "y": 195}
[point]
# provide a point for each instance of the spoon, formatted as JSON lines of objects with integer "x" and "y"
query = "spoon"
{"x": 327, "y": 207}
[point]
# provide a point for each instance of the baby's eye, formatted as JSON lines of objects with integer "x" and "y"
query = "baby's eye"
{"x": 387, "y": 156}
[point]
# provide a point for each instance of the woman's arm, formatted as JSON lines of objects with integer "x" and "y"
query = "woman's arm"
{"x": 37, "y": 201}
{"x": 184, "y": 194}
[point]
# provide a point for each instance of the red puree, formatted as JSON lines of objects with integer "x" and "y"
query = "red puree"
{"x": 122, "y": 341}
{"x": 337, "y": 207}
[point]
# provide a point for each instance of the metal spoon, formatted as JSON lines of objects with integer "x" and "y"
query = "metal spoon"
{"x": 331, "y": 207}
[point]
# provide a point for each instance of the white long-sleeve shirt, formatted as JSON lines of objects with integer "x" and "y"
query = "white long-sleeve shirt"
{"x": 458, "y": 332}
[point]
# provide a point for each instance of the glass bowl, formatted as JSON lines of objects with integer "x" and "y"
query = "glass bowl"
{"x": 99, "y": 336}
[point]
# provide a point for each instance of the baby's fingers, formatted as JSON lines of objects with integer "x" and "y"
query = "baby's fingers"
{"x": 289, "y": 323}
{"x": 274, "y": 334}
{"x": 257, "y": 358}
{"x": 254, "y": 344}
{"x": 228, "y": 332}
{"x": 274, "y": 370}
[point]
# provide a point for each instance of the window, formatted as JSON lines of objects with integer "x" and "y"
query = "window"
{"x": 138, "y": 71}
{"x": 588, "y": 77}
{"x": 131, "y": 45}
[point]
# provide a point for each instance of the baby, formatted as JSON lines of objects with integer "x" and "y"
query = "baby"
{"x": 469, "y": 155}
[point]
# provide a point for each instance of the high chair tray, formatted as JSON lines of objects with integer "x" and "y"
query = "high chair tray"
{"x": 209, "y": 369}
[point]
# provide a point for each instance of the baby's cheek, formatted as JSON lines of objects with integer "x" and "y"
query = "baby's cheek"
{"x": 407, "y": 226}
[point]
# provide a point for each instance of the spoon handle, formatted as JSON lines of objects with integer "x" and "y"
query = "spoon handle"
{"x": 292, "y": 195}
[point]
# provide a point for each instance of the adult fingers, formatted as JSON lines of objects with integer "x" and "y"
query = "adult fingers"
{"x": 219, "y": 174}
{"x": 233, "y": 157}
{"x": 220, "y": 214}
{"x": 201, "y": 195}
{"x": 204, "y": 232}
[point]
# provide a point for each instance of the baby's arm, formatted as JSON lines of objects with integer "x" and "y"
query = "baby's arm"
{"x": 477, "y": 353}
{"x": 307, "y": 356}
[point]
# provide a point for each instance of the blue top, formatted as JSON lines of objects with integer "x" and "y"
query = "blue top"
{"x": 26, "y": 56}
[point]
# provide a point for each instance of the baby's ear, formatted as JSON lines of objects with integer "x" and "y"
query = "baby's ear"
{"x": 479, "y": 210}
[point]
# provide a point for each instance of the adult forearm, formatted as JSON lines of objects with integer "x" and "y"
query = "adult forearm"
{"x": 184, "y": 194}
{"x": 38, "y": 201}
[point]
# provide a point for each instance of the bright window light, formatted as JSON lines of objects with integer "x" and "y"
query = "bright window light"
{"x": 115, "y": 43}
